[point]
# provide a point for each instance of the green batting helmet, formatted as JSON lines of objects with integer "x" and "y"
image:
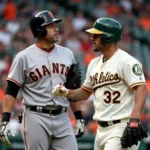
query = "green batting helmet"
{"x": 110, "y": 29}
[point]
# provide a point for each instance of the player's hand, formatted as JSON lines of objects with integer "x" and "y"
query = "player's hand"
{"x": 79, "y": 128}
{"x": 4, "y": 131}
{"x": 59, "y": 90}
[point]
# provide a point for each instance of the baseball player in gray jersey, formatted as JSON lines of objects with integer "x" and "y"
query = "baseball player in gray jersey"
{"x": 118, "y": 83}
{"x": 45, "y": 124}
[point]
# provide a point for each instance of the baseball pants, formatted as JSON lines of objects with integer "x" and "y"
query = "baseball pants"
{"x": 108, "y": 138}
{"x": 44, "y": 132}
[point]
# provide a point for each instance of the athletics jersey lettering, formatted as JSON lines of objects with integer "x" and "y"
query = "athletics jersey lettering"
{"x": 103, "y": 79}
{"x": 43, "y": 71}
{"x": 112, "y": 83}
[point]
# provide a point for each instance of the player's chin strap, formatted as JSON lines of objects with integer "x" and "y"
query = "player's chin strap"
{"x": 79, "y": 124}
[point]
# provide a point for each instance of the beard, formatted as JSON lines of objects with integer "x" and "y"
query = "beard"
{"x": 55, "y": 40}
{"x": 95, "y": 50}
{"x": 98, "y": 48}
{"x": 51, "y": 40}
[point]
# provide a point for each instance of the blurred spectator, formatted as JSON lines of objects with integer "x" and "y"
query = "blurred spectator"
{"x": 113, "y": 9}
{"x": 127, "y": 5}
{"x": 144, "y": 20}
{"x": 2, "y": 86}
{"x": 67, "y": 26}
{"x": 25, "y": 10}
{"x": 15, "y": 125}
{"x": 137, "y": 7}
{"x": 146, "y": 121}
{"x": 85, "y": 45}
{"x": 5, "y": 64}
{"x": 10, "y": 10}
{"x": 100, "y": 10}
{"x": 0, "y": 110}
{"x": 148, "y": 86}
{"x": 88, "y": 57}
{"x": 13, "y": 26}
{"x": 73, "y": 43}
{"x": 79, "y": 21}
{"x": 5, "y": 36}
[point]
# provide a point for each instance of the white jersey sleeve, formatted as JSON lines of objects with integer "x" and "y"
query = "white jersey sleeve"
{"x": 17, "y": 71}
{"x": 132, "y": 73}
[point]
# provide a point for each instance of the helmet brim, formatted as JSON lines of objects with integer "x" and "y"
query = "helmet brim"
{"x": 94, "y": 31}
{"x": 51, "y": 21}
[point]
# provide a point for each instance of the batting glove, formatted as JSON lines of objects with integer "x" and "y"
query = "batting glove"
{"x": 79, "y": 128}
{"x": 4, "y": 131}
{"x": 59, "y": 90}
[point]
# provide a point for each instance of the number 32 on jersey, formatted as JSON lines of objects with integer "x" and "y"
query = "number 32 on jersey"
{"x": 112, "y": 97}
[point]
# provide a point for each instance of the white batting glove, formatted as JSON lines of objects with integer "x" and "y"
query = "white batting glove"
{"x": 79, "y": 128}
{"x": 4, "y": 131}
{"x": 59, "y": 90}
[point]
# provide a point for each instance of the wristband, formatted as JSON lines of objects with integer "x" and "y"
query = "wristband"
{"x": 134, "y": 123}
{"x": 78, "y": 115}
{"x": 6, "y": 116}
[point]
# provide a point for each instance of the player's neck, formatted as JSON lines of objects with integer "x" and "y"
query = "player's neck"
{"x": 44, "y": 45}
{"x": 108, "y": 53}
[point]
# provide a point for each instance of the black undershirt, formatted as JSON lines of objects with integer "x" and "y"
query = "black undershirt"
{"x": 12, "y": 89}
{"x": 48, "y": 49}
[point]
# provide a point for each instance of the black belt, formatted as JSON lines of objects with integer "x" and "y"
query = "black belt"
{"x": 52, "y": 110}
{"x": 108, "y": 123}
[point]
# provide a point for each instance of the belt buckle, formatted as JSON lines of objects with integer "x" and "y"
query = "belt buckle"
{"x": 63, "y": 109}
{"x": 50, "y": 112}
{"x": 110, "y": 123}
{"x": 39, "y": 109}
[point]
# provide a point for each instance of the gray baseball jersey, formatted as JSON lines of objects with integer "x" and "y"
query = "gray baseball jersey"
{"x": 38, "y": 70}
{"x": 112, "y": 83}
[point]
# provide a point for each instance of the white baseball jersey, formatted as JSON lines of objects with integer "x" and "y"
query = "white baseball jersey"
{"x": 36, "y": 71}
{"x": 112, "y": 83}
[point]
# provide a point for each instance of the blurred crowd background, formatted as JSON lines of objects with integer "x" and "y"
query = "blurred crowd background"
{"x": 77, "y": 15}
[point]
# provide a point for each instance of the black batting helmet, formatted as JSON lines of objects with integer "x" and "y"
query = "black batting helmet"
{"x": 39, "y": 21}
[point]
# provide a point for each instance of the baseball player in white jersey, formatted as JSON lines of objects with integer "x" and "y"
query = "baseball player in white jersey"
{"x": 118, "y": 83}
{"x": 45, "y": 124}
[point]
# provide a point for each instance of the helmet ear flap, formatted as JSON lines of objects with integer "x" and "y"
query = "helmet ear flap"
{"x": 104, "y": 38}
{"x": 107, "y": 39}
{"x": 41, "y": 31}
{"x": 36, "y": 28}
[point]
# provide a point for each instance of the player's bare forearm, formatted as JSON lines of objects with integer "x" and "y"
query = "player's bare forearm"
{"x": 78, "y": 94}
{"x": 75, "y": 106}
{"x": 140, "y": 98}
{"x": 8, "y": 103}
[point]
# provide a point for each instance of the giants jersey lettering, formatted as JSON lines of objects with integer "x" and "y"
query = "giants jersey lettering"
{"x": 112, "y": 83}
{"x": 37, "y": 71}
